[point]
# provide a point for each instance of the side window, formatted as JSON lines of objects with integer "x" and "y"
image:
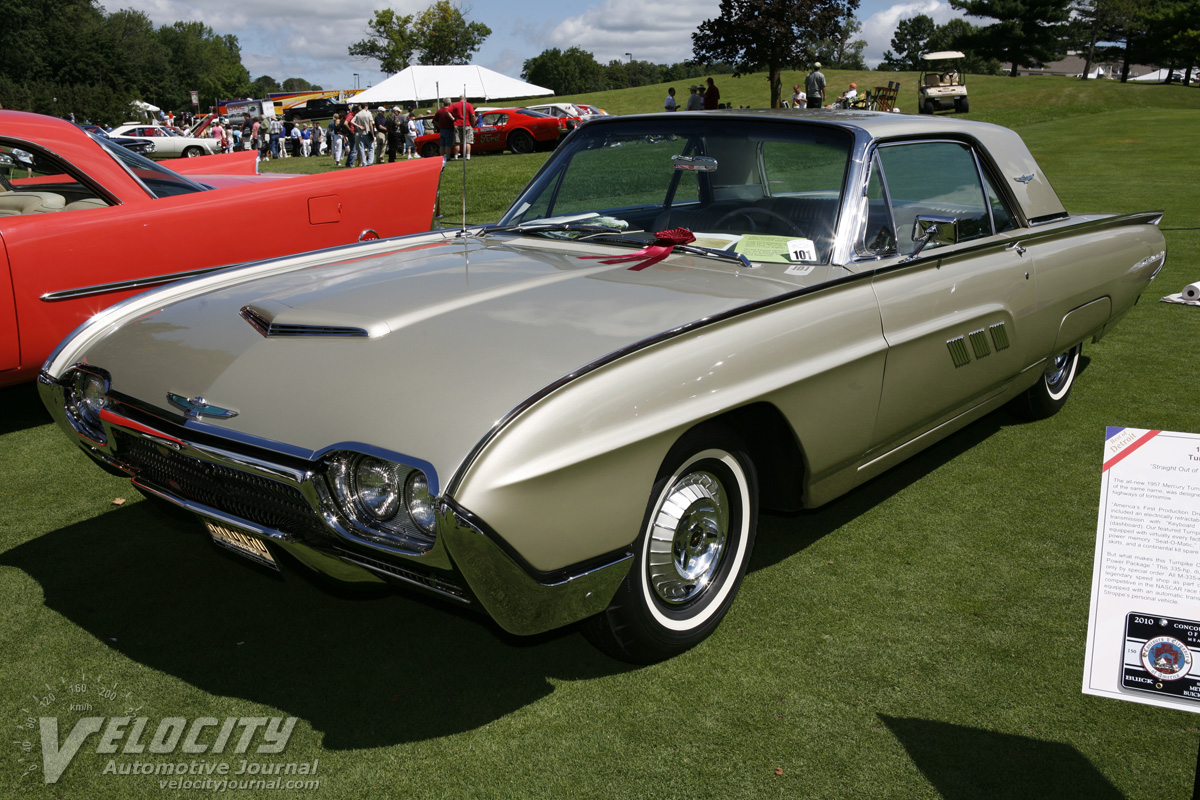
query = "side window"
{"x": 33, "y": 182}
{"x": 879, "y": 235}
{"x": 934, "y": 178}
{"x": 1001, "y": 217}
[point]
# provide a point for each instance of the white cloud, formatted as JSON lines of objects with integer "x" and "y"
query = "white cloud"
{"x": 880, "y": 27}
{"x": 659, "y": 31}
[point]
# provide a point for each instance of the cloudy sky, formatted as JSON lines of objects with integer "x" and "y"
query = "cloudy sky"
{"x": 309, "y": 38}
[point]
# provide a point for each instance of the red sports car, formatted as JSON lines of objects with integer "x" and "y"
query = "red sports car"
{"x": 517, "y": 129}
{"x": 85, "y": 223}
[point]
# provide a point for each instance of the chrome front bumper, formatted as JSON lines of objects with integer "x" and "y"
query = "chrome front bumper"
{"x": 276, "y": 497}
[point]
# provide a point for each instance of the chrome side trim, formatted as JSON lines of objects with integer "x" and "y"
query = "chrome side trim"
{"x": 517, "y": 601}
{"x": 120, "y": 286}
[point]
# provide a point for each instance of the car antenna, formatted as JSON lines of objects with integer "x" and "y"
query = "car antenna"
{"x": 463, "y": 147}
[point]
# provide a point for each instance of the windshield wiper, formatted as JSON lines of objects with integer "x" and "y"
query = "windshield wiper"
{"x": 607, "y": 232}
{"x": 550, "y": 227}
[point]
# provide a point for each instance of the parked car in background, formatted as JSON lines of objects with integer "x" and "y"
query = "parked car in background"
{"x": 85, "y": 223}
{"x": 570, "y": 113}
{"x": 168, "y": 142}
{"x": 517, "y": 129}
{"x": 578, "y": 412}
{"x": 143, "y": 147}
{"x": 317, "y": 108}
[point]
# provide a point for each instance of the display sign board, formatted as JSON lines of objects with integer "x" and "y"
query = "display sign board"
{"x": 1144, "y": 619}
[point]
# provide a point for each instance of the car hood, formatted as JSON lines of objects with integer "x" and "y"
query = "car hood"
{"x": 418, "y": 345}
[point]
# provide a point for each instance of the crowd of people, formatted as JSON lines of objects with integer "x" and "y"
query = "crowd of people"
{"x": 359, "y": 137}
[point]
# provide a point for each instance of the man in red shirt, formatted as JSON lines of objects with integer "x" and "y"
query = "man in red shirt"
{"x": 464, "y": 127}
{"x": 443, "y": 121}
{"x": 712, "y": 96}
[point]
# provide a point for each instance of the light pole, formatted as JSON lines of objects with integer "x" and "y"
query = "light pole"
{"x": 356, "y": 80}
{"x": 630, "y": 57}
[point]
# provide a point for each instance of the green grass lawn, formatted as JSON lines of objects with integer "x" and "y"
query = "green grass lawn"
{"x": 921, "y": 637}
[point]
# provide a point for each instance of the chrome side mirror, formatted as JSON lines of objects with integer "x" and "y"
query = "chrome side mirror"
{"x": 929, "y": 228}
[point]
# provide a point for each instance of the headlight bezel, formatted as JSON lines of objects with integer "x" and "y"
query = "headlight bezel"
{"x": 86, "y": 395}
{"x": 371, "y": 493}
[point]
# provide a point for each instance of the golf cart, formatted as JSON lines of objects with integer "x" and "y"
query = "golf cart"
{"x": 943, "y": 82}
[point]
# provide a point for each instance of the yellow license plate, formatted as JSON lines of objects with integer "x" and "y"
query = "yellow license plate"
{"x": 242, "y": 544}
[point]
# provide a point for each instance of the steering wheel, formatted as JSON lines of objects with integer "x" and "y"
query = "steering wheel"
{"x": 749, "y": 211}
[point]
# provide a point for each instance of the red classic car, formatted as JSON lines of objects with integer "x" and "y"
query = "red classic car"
{"x": 517, "y": 129}
{"x": 85, "y": 223}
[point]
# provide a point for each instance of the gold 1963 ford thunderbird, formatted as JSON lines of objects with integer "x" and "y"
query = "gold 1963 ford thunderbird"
{"x": 577, "y": 413}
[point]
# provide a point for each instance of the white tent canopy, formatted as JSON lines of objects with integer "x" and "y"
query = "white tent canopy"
{"x": 1160, "y": 75}
{"x": 419, "y": 83}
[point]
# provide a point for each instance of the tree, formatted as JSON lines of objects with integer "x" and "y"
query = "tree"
{"x": 1174, "y": 29}
{"x": 770, "y": 34}
{"x": 139, "y": 59}
{"x": 565, "y": 72}
{"x": 263, "y": 85}
{"x": 844, "y": 52}
{"x": 202, "y": 60}
{"x": 958, "y": 34}
{"x": 299, "y": 85}
{"x": 1029, "y": 32}
{"x": 443, "y": 35}
{"x": 439, "y": 35}
{"x": 910, "y": 41}
{"x": 389, "y": 41}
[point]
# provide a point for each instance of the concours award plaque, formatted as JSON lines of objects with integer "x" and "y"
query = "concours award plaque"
{"x": 1159, "y": 655}
{"x": 1144, "y": 617}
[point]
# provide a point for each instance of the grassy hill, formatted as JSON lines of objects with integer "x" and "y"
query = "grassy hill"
{"x": 921, "y": 637}
{"x": 989, "y": 94}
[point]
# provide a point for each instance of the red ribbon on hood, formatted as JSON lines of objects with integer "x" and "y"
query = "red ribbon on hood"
{"x": 664, "y": 243}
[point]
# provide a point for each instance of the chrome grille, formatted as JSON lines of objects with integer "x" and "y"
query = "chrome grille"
{"x": 263, "y": 501}
{"x": 405, "y": 573}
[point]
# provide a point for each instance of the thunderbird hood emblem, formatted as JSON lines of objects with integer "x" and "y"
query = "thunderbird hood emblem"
{"x": 1023, "y": 178}
{"x": 196, "y": 407}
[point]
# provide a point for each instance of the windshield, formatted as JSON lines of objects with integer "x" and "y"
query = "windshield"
{"x": 159, "y": 181}
{"x": 764, "y": 189}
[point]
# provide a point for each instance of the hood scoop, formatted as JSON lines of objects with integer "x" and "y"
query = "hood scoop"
{"x": 273, "y": 319}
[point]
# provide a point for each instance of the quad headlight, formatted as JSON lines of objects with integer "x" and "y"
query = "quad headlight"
{"x": 419, "y": 501}
{"x": 384, "y": 500}
{"x": 87, "y": 395}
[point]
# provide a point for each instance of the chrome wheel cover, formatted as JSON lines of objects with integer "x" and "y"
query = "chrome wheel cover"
{"x": 1060, "y": 373}
{"x": 688, "y": 538}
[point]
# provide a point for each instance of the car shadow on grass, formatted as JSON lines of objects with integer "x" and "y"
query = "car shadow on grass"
{"x": 21, "y": 408}
{"x": 369, "y": 671}
{"x": 967, "y": 763}
{"x": 795, "y": 532}
{"x": 790, "y": 533}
